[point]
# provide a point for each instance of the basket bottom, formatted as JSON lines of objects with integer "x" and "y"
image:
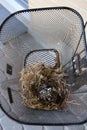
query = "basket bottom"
{"x": 76, "y": 108}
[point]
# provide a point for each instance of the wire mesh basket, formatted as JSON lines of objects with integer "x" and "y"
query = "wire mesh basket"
{"x": 24, "y": 31}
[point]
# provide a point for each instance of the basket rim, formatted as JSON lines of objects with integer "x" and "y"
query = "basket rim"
{"x": 40, "y": 50}
{"x": 40, "y": 124}
{"x": 42, "y": 9}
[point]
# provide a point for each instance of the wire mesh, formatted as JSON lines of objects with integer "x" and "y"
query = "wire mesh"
{"x": 59, "y": 28}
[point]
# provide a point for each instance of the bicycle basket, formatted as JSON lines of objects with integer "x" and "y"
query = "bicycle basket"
{"x": 59, "y": 28}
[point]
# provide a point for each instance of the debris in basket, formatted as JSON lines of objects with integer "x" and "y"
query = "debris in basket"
{"x": 44, "y": 87}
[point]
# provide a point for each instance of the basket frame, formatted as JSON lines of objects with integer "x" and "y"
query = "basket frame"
{"x": 83, "y": 33}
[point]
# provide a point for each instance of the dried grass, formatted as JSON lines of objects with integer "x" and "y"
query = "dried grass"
{"x": 44, "y": 87}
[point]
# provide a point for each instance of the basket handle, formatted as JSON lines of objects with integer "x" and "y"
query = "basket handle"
{"x": 85, "y": 34}
{"x": 86, "y": 39}
{"x": 80, "y": 40}
{"x": 57, "y": 59}
{"x": 75, "y": 53}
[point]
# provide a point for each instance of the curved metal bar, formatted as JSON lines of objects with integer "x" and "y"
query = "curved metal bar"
{"x": 80, "y": 41}
{"x": 42, "y": 9}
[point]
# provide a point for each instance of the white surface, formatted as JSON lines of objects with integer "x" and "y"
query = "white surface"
{"x": 53, "y": 128}
{"x": 80, "y": 127}
{"x": 8, "y": 124}
{"x": 31, "y": 127}
{"x": 12, "y": 5}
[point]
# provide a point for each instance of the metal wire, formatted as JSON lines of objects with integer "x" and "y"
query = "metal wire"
{"x": 59, "y": 28}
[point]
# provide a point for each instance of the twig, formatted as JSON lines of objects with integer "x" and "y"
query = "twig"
{"x": 73, "y": 102}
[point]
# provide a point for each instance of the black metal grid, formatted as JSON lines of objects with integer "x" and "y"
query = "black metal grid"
{"x": 60, "y": 28}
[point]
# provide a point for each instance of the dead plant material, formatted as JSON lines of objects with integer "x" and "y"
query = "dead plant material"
{"x": 44, "y": 87}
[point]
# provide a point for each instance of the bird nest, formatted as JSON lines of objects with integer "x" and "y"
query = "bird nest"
{"x": 44, "y": 87}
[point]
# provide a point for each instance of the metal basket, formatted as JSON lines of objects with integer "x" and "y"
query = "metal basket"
{"x": 59, "y": 28}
